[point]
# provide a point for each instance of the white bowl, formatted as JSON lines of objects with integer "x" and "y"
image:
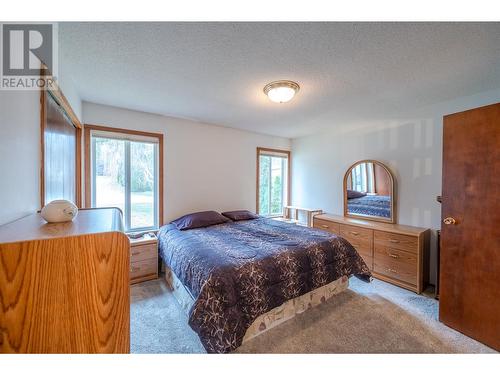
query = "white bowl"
{"x": 59, "y": 211}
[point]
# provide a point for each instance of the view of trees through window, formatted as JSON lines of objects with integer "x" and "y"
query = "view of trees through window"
{"x": 362, "y": 178}
{"x": 272, "y": 184}
{"x": 124, "y": 177}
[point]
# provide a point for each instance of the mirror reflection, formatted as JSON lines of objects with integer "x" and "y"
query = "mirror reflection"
{"x": 369, "y": 191}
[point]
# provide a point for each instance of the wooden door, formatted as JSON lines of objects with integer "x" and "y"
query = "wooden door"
{"x": 470, "y": 233}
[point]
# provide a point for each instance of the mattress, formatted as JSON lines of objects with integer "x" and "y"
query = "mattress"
{"x": 272, "y": 318}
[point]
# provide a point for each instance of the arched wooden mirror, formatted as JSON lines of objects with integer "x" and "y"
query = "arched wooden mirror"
{"x": 369, "y": 192}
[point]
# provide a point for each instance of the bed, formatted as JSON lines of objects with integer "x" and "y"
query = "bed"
{"x": 372, "y": 205}
{"x": 238, "y": 279}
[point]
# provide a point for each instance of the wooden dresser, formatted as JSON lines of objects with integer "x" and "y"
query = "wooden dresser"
{"x": 394, "y": 253}
{"x": 64, "y": 288}
{"x": 143, "y": 259}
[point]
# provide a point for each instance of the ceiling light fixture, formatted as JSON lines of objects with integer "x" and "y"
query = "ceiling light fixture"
{"x": 281, "y": 91}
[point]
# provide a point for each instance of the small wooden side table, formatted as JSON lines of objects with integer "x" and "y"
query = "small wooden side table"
{"x": 143, "y": 258}
{"x": 292, "y": 214}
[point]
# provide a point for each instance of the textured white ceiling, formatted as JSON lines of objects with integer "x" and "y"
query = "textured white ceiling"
{"x": 215, "y": 72}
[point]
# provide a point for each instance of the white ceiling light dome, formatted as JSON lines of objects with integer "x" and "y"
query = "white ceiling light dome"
{"x": 281, "y": 91}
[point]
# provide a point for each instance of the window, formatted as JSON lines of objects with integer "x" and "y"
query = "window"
{"x": 363, "y": 178}
{"x": 273, "y": 174}
{"x": 124, "y": 171}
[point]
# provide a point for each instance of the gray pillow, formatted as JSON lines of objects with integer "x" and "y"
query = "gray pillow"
{"x": 355, "y": 194}
{"x": 199, "y": 220}
{"x": 240, "y": 215}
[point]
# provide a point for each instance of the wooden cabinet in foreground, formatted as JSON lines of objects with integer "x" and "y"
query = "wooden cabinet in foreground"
{"x": 394, "y": 253}
{"x": 64, "y": 288}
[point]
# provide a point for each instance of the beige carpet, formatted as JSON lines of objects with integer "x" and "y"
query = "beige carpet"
{"x": 368, "y": 318}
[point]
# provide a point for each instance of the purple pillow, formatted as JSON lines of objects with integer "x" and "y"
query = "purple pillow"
{"x": 240, "y": 215}
{"x": 354, "y": 194}
{"x": 199, "y": 220}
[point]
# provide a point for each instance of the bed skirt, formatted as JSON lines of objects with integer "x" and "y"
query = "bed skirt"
{"x": 273, "y": 317}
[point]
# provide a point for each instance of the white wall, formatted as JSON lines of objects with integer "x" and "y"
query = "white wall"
{"x": 410, "y": 146}
{"x": 19, "y": 154}
{"x": 65, "y": 80}
{"x": 206, "y": 167}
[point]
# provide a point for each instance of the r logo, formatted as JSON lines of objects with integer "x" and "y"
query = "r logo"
{"x": 25, "y": 47}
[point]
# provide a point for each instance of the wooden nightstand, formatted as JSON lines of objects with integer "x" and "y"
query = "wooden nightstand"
{"x": 143, "y": 258}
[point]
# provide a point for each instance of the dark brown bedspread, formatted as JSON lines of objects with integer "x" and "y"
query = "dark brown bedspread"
{"x": 240, "y": 270}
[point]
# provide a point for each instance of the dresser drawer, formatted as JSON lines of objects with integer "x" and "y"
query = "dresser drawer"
{"x": 142, "y": 252}
{"x": 360, "y": 238}
{"x": 327, "y": 225}
{"x": 396, "y": 241}
{"x": 350, "y": 231}
{"x": 143, "y": 268}
{"x": 394, "y": 263}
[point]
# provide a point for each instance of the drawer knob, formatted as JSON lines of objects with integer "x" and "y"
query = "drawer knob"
{"x": 391, "y": 270}
{"x": 450, "y": 221}
{"x": 393, "y": 240}
{"x": 395, "y": 256}
{"x": 355, "y": 233}
{"x": 136, "y": 253}
{"x": 132, "y": 269}
{"x": 324, "y": 226}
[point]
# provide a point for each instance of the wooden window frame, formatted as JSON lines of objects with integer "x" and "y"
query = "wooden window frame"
{"x": 289, "y": 187}
{"x": 87, "y": 128}
{"x": 66, "y": 107}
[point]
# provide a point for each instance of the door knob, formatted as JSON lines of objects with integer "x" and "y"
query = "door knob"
{"x": 449, "y": 221}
